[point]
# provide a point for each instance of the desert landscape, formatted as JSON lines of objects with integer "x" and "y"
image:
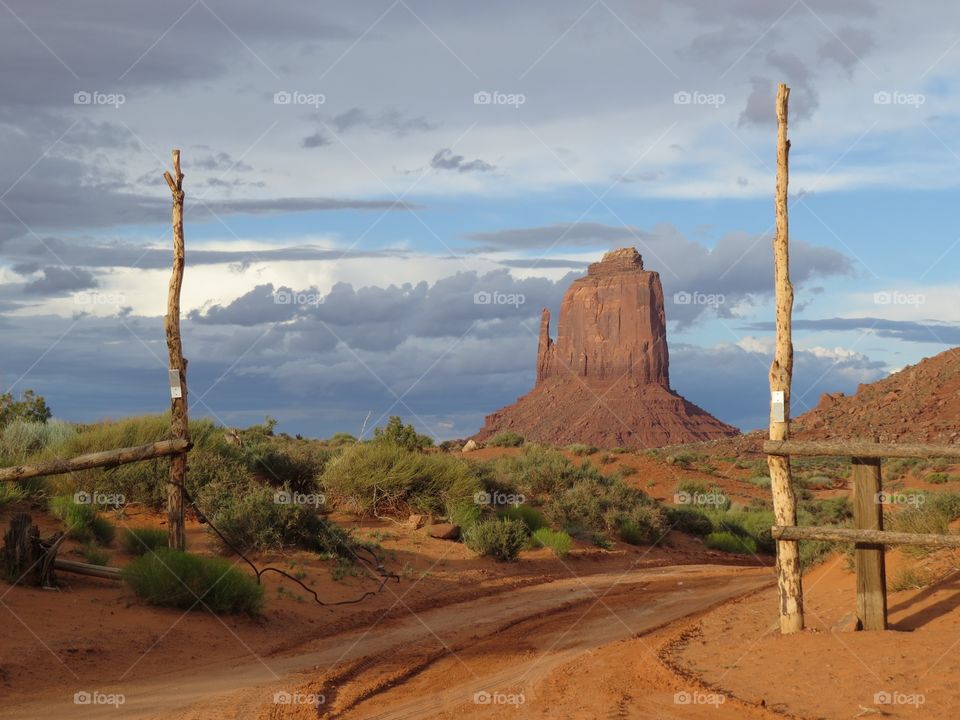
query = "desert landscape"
{"x": 426, "y": 360}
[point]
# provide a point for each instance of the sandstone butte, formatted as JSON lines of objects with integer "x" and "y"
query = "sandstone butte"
{"x": 605, "y": 380}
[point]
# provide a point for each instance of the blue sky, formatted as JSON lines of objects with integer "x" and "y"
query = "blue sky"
{"x": 386, "y": 192}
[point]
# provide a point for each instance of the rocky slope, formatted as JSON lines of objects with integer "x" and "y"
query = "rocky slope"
{"x": 605, "y": 380}
{"x": 920, "y": 403}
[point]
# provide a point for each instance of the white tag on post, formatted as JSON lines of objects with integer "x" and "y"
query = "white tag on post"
{"x": 778, "y": 405}
{"x": 175, "y": 390}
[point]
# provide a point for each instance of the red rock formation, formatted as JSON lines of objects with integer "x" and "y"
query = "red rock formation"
{"x": 605, "y": 381}
{"x": 611, "y": 323}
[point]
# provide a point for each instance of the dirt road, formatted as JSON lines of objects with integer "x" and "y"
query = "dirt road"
{"x": 501, "y": 655}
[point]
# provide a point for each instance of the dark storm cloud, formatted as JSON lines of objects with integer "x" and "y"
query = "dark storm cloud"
{"x": 445, "y": 160}
{"x": 383, "y": 318}
{"x": 544, "y": 263}
{"x": 907, "y": 330}
{"x": 317, "y": 139}
{"x": 732, "y": 383}
{"x": 28, "y": 252}
{"x": 59, "y": 280}
{"x": 391, "y": 121}
{"x": 736, "y": 268}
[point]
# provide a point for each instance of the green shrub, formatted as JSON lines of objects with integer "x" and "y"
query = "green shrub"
{"x": 83, "y": 522}
{"x": 341, "y": 438}
{"x": 506, "y": 439}
{"x": 626, "y": 471}
{"x": 556, "y": 540}
{"x": 256, "y": 520}
{"x": 465, "y": 514}
{"x": 911, "y": 579}
{"x": 382, "y": 478}
{"x": 918, "y": 519}
{"x": 404, "y": 436}
{"x": 580, "y": 449}
{"x": 22, "y": 439}
{"x": 606, "y": 505}
{"x": 946, "y": 503}
{"x": 529, "y": 516}
{"x": 172, "y": 578}
{"x": 536, "y": 470}
{"x": 938, "y": 478}
{"x": 762, "y": 481}
{"x": 9, "y": 494}
{"x": 751, "y": 524}
{"x": 696, "y": 494}
{"x": 138, "y": 541}
{"x": 94, "y": 555}
{"x": 499, "y": 539}
{"x": 689, "y": 520}
{"x": 30, "y": 407}
{"x": 726, "y": 541}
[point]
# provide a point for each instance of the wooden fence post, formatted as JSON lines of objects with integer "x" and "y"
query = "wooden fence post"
{"x": 179, "y": 428}
{"x": 781, "y": 374}
{"x": 868, "y": 557}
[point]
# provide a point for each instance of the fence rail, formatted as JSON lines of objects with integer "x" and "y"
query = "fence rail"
{"x": 858, "y": 448}
{"x": 856, "y": 535}
{"x": 105, "y": 459}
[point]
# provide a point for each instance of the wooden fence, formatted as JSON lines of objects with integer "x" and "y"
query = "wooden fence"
{"x": 176, "y": 448}
{"x": 868, "y": 535}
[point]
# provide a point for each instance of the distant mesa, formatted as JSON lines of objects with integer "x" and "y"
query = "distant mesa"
{"x": 605, "y": 380}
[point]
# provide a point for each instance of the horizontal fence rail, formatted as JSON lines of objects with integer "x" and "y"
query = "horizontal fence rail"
{"x": 106, "y": 459}
{"x": 859, "y": 448}
{"x": 856, "y": 535}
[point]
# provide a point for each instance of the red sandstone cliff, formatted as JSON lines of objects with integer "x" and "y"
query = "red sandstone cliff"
{"x": 605, "y": 380}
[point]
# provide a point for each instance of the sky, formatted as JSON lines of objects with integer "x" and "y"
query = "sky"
{"x": 361, "y": 176}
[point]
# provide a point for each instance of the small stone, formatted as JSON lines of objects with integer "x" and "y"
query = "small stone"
{"x": 444, "y": 531}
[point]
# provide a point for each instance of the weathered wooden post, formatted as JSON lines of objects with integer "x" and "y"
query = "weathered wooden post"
{"x": 869, "y": 558}
{"x": 781, "y": 374}
{"x": 179, "y": 428}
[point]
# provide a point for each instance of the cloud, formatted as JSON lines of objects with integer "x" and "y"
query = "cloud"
{"x": 122, "y": 254}
{"x": 734, "y": 271}
{"x": 60, "y": 280}
{"x": 732, "y": 381}
{"x": 391, "y": 121}
{"x": 317, "y": 139}
{"x": 445, "y": 160}
{"x": 907, "y": 330}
